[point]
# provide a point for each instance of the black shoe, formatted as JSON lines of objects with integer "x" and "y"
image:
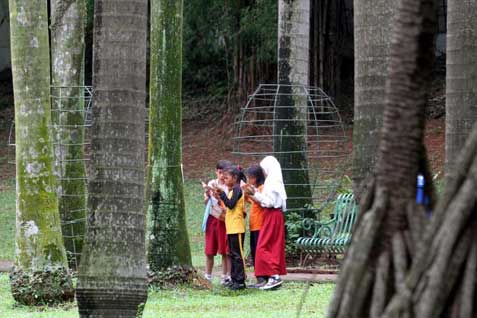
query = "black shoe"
{"x": 273, "y": 282}
{"x": 227, "y": 282}
{"x": 237, "y": 286}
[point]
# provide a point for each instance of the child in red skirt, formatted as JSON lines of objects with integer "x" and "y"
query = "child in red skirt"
{"x": 215, "y": 233}
{"x": 270, "y": 254}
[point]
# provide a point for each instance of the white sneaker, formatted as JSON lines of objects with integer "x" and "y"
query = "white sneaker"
{"x": 273, "y": 282}
{"x": 208, "y": 277}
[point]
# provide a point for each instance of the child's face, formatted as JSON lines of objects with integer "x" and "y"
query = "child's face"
{"x": 229, "y": 179}
{"x": 252, "y": 180}
{"x": 220, "y": 175}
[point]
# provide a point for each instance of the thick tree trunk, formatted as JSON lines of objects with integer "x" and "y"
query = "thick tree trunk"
{"x": 442, "y": 281}
{"x": 168, "y": 239}
{"x": 448, "y": 249}
{"x": 40, "y": 274}
{"x": 461, "y": 82}
{"x": 112, "y": 272}
{"x": 67, "y": 52}
{"x": 289, "y": 130}
{"x": 390, "y": 224}
{"x": 372, "y": 41}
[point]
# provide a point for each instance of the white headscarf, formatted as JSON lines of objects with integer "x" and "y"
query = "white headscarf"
{"x": 274, "y": 179}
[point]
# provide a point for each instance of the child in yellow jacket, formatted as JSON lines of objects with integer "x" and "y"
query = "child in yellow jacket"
{"x": 235, "y": 223}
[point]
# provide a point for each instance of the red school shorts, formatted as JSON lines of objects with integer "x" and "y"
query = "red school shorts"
{"x": 215, "y": 237}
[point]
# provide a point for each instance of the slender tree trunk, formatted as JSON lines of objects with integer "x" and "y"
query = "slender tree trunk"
{"x": 461, "y": 82}
{"x": 40, "y": 274}
{"x": 168, "y": 238}
{"x": 67, "y": 52}
{"x": 390, "y": 224}
{"x": 289, "y": 129}
{"x": 372, "y": 40}
{"x": 112, "y": 272}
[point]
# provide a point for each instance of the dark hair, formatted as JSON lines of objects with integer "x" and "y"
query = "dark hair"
{"x": 257, "y": 172}
{"x": 236, "y": 171}
{"x": 223, "y": 164}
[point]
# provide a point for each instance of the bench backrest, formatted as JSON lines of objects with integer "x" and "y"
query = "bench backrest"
{"x": 345, "y": 213}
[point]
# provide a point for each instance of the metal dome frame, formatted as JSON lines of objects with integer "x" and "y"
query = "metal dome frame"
{"x": 324, "y": 139}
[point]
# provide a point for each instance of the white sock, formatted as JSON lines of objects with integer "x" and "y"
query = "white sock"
{"x": 208, "y": 276}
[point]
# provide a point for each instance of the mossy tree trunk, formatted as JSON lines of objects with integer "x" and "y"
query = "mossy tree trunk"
{"x": 372, "y": 42}
{"x": 390, "y": 225}
{"x": 67, "y": 52}
{"x": 112, "y": 272}
{"x": 40, "y": 274}
{"x": 290, "y": 128}
{"x": 461, "y": 81}
{"x": 167, "y": 231}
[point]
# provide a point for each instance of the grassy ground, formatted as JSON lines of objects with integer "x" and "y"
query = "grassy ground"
{"x": 180, "y": 302}
{"x": 7, "y": 220}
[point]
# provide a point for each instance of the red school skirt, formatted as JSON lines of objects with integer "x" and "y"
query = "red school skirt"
{"x": 215, "y": 237}
{"x": 270, "y": 254}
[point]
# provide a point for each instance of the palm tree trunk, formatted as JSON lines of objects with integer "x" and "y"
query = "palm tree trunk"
{"x": 167, "y": 231}
{"x": 67, "y": 52}
{"x": 372, "y": 42}
{"x": 461, "y": 82}
{"x": 289, "y": 130}
{"x": 390, "y": 224}
{"x": 40, "y": 253}
{"x": 112, "y": 272}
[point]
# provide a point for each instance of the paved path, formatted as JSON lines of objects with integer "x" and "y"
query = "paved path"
{"x": 294, "y": 275}
{"x": 5, "y": 266}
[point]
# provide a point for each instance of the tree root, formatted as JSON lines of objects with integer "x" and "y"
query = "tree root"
{"x": 380, "y": 289}
{"x": 356, "y": 260}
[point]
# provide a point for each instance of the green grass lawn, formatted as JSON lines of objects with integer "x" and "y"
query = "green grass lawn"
{"x": 7, "y": 220}
{"x": 180, "y": 302}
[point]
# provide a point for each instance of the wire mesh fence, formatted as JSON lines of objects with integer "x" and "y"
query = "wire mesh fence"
{"x": 71, "y": 116}
{"x": 302, "y": 127}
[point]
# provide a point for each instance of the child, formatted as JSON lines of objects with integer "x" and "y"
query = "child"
{"x": 256, "y": 179}
{"x": 215, "y": 233}
{"x": 235, "y": 223}
{"x": 270, "y": 254}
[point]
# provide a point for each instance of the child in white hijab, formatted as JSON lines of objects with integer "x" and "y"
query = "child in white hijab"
{"x": 273, "y": 194}
{"x": 270, "y": 254}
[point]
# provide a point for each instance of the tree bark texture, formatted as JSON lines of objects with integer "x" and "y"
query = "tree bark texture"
{"x": 40, "y": 253}
{"x": 290, "y": 119}
{"x": 168, "y": 242}
{"x": 390, "y": 224}
{"x": 461, "y": 77}
{"x": 67, "y": 52}
{"x": 112, "y": 272}
{"x": 372, "y": 41}
{"x": 442, "y": 279}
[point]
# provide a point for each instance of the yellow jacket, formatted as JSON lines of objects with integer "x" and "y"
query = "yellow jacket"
{"x": 235, "y": 211}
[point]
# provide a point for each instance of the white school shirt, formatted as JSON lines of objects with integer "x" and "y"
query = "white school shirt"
{"x": 216, "y": 210}
{"x": 270, "y": 199}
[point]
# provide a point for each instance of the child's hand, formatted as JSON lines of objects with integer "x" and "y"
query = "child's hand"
{"x": 217, "y": 193}
{"x": 248, "y": 189}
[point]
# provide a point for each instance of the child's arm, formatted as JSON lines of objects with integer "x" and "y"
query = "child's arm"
{"x": 236, "y": 195}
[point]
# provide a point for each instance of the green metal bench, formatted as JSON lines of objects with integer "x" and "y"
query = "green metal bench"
{"x": 333, "y": 235}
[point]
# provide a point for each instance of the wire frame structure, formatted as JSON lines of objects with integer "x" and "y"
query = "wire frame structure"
{"x": 323, "y": 142}
{"x": 61, "y": 100}
{"x": 71, "y": 114}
